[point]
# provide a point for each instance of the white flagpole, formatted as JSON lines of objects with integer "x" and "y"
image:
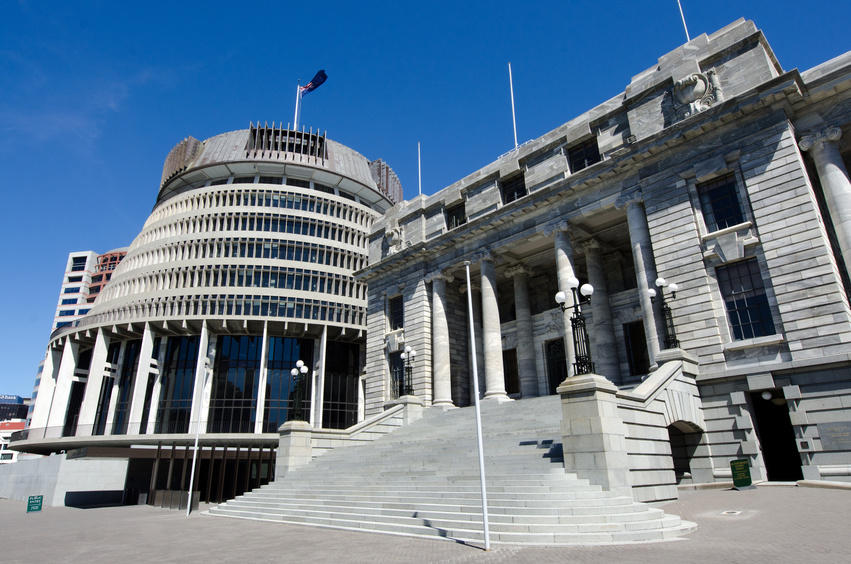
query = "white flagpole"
{"x": 297, "y": 98}
{"x": 513, "y": 118}
{"x": 478, "y": 411}
{"x": 419, "y": 170}
{"x": 680, "y": 4}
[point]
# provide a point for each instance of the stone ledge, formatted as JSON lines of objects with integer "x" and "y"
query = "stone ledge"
{"x": 753, "y": 343}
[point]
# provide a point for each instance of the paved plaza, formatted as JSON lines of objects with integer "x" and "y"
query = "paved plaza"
{"x": 767, "y": 524}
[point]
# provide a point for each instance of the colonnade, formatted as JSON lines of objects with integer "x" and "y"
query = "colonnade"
{"x": 61, "y": 369}
{"x": 602, "y": 330}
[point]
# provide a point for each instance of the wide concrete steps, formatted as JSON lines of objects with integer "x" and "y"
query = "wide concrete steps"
{"x": 423, "y": 480}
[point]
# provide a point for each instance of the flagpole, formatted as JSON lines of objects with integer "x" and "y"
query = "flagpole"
{"x": 419, "y": 170}
{"x": 478, "y": 411}
{"x": 297, "y": 97}
{"x": 680, "y": 4}
{"x": 513, "y": 118}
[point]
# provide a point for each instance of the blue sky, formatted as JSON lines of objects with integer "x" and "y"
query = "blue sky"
{"x": 93, "y": 95}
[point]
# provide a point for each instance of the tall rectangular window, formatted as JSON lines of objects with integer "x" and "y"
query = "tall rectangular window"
{"x": 396, "y": 313}
{"x": 583, "y": 155}
{"x": 719, "y": 203}
{"x": 512, "y": 188}
{"x": 744, "y": 297}
{"x": 455, "y": 216}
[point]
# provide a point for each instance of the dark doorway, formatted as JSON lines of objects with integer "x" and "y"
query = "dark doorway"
{"x": 636, "y": 348}
{"x": 75, "y": 401}
{"x": 138, "y": 480}
{"x": 556, "y": 364}
{"x": 509, "y": 368}
{"x": 776, "y": 436}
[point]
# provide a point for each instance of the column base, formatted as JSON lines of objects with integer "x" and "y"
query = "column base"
{"x": 499, "y": 397}
{"x": 444, "y": 405}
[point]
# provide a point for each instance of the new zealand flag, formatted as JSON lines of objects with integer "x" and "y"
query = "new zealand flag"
{"x": 314, "y": 83}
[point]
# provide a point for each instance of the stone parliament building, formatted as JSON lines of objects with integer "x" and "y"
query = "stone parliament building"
{"x": 708, "y": 205}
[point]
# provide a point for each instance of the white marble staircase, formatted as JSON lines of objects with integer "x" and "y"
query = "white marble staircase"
{"x": 423, "y": 480}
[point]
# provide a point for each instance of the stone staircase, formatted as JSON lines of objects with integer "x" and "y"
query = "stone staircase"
{"x": 423, "y": 480}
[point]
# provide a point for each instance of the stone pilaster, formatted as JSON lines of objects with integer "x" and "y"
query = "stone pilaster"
{"x": 564, "y": 273}
{"x": 441, "y": 368}
{"x": 645, "y": 271}
{"x": 833, "y": 176}
{"x": 528, "y": 373}
{"x": 494, "y": 371}
{"x": 603, "y": 343}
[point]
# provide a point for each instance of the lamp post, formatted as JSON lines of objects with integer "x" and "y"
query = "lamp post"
{"x": 581, "y": 346}
{"x": 296, "y": 412}
{"x": 671, "y": 341}
{"x": 407, "y": 387}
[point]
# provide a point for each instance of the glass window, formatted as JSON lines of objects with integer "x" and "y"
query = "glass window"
{"x": 744, "y": 297}
{"x": 83, "y": 311}
{"x": 71, "y": 290}
{"x": 67, "y": 301}
{"x": 78, "y": 264}
{"x": 66, "y": 312}
{"x": 396, "y": 313}
{"x": 455, "y": 216}
{"x": 720, "y": 203}
{"x": 583, "y": 155}
{"x": 75, "y": 279}
{"x": 512, "y": 188}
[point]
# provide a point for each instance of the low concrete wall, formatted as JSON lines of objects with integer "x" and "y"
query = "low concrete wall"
{"x": 81, "y": 481}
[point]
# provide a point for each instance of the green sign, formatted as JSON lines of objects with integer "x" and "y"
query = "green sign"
{"x": 34, "y": 503}
{"x": 741, "y": 473}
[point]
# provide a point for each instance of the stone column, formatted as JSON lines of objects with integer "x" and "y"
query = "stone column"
{"x": 833, "y": 176}
{"x": 140, "y": 383}
{"x": 46, "y": 391}
{"x": 494, "y": 372}
{"x": 645, "y": 271}
{"x": 528, "y": 373}
{"x": 91, "y": 397}
{"x": 200, "y": 407}
{"x": 318, "y": 394}
{"x": 604, "y": 349}
{"x": 442, "y": 372}
{"x": 260, "y": 412}
{"x": 62, "y": 391}
{"x": 564, "y": 272}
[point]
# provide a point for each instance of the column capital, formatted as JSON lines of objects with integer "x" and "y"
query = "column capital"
{"x": 817, "y": 139}
{"x": 556, "y": 227}
{"x": 592, "y": 244}
{"x": 516, "y": 270}
{"x": 484, "y": 255}
{"x": 628, "y": 197}
{"x": 438, "y": 275}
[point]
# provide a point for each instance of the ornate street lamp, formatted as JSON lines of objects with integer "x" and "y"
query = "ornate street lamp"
{"x": 581, "y": 346}
{"x": 296, "y": 412}
{"x": 407, "y": 387}
{"x": 671, "y": 341}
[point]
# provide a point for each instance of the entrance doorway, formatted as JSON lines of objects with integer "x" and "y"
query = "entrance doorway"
{"x": 556, "y": 364}
{"x": 776, "y": 436}
{"x": 636, "y": 348}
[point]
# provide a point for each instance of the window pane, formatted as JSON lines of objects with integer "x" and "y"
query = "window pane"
{"x": 744, "y": 297}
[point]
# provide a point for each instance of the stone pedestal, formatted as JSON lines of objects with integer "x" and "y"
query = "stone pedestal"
{"x": 294, "y": 447}
{"x": 594, "y": 435}
{"x": 413, "y": 407}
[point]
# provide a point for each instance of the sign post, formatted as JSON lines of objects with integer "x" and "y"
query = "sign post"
{"x": 34, "y": 503}
{"x": 741, "y": 474}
